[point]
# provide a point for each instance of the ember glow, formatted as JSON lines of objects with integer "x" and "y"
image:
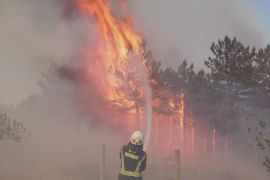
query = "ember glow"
{"x": 181, "y": 119}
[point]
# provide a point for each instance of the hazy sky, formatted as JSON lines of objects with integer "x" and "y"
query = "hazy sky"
{"x": 263, "y": 9}
{"x": 36, "y": 33}
{"x": 177, "y": 30}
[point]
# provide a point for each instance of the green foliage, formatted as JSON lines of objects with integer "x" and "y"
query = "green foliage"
{"x": 266, "y": 163}
{"x": 239, "y": 78}
{"x": 185, "y": 72}
{"x": 262, "y": 67}
{"x": 231, "y": 63}
{"x": 10, "y": 129}
{"x": 170, "y": 79}
{"x": 262, "y": 137}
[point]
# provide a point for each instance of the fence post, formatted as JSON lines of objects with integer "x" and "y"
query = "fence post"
{"x": 177, "y": 164}
{"x": 102, "y": 163}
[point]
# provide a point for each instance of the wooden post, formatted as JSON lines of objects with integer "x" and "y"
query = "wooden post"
{"x": 102, "y": 163}
{"x": 177, "y": 164}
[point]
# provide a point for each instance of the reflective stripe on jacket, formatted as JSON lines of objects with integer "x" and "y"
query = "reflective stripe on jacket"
{"x": 132, "y": 159}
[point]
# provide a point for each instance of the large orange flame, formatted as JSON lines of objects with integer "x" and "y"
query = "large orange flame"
{"x": 117, "y": 39}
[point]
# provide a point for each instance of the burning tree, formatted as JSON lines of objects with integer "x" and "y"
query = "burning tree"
{"x": 119, "y": 58}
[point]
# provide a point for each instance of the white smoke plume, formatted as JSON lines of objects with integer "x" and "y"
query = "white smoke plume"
{"x": 35, "y": 34}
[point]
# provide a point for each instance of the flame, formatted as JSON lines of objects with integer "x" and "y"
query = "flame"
{"x": 192, "y": 140}
{"x": 117, "y": 39}
{"x": 171, "y": 103}
{"x": 181, "y": 118}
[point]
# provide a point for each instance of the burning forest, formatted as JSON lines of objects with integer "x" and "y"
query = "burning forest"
{"x": 123, "y": 72}
{"x": 91, "y": 102}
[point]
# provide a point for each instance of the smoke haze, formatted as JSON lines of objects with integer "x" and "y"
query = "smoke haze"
{"x": 35, "y": 34}
{"x": 178, "y": 30}
{"x": 63, "y": 141}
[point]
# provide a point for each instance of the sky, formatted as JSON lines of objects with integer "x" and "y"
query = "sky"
{"x": 35, "y": 34}
{"x": 263, "y": 9}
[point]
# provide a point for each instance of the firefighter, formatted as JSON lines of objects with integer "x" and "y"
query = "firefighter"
{"x": 133, "y": 158}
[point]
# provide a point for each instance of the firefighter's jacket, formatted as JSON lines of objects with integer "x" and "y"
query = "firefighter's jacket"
{"x": 133, "y": 162}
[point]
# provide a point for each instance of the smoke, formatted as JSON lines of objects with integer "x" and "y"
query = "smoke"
{"x": 178, "y": 30}
{"x": 42, "y": 76}
{"x": 35, "y": 34}
{"x": 239, "y": 163}
{"x": 62, "y": 139}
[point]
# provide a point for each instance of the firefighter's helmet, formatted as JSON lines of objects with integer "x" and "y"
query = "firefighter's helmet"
{"x": 137, "y": 138}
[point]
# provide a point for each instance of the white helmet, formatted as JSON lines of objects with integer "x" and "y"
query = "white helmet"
{"x": 137, "y": 138}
